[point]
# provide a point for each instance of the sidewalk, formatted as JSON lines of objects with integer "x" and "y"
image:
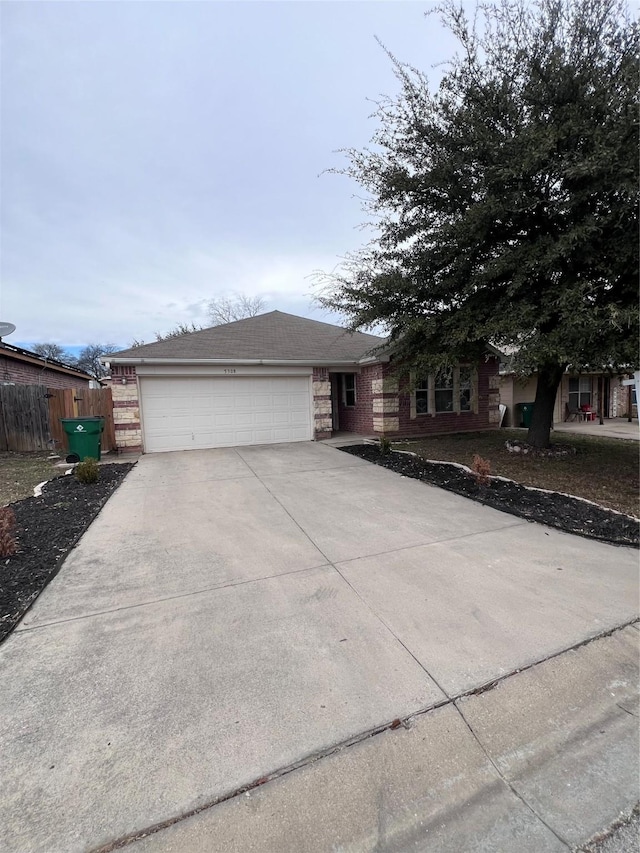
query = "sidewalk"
{"x": 611, "y": 428}
{"x": 537, "y": 764}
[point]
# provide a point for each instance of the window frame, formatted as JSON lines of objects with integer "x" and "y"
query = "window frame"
{"x": 426, "y": 386}
{"x": 448, "y": 389}
{"x": 581, "y": 393}
{"x": 468, "y": 385}
{"x": 423, "y": 386}
{"x": 346, "y": 391}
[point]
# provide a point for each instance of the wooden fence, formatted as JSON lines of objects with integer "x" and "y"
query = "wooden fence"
{"x": 30, "y": 415}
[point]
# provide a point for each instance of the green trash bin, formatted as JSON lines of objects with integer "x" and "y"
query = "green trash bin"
{"x": 83, "y": 435}
{"x": 526, "y": 412}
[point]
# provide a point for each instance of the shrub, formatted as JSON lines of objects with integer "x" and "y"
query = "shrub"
{"x": 8, "y": 545}
{"x": 87, "y": 471}
{"x": 385, "y": 445}
{"x": 481, "y": 470}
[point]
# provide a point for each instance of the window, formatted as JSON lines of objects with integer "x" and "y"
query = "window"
{"x": 452, "y": 390}
{"x": 422, "y": 396}
{"x": 444, "y": 390}
{"x": 465, "y": 387}
{"x": 579, "y": 392}
{"x": 349, "y": 389}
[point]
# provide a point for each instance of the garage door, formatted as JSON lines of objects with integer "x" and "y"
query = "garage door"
{"x": 185, "y": 413}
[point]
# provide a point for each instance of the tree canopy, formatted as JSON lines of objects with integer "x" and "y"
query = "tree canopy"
{"x": 505, "y": 201}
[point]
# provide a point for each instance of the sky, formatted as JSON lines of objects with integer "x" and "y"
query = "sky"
{"x": 155, "y": 155}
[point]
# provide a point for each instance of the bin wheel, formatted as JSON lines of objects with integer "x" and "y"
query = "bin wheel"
{"x": 72, "y": 458}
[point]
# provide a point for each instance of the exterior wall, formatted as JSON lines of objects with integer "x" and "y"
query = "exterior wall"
{"x": 321, "y": 403}
{"x": 514, "y": 391}
{"x": 384, "y": 405}
{"x": 24, "y": 373}
{"x": 485, "y": 413}
{"x": 359, "y": 418}
{"x": 126, "y": 409}
{"x": 620, "y": 396}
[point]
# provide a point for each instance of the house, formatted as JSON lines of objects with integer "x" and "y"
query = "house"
{"x": 278, "y": 378}
{"x": 576, "y": 390}
{"x": 22, "y": 367}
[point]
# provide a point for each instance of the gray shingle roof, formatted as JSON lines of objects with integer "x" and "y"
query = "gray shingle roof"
{"x": 275, "y": 335}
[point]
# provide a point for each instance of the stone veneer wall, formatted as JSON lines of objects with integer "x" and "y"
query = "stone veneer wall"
{"x": 126, "y": 409}
{"x": 321, "y": 404}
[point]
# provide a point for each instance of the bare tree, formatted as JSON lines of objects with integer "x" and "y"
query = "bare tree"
{"x": 54, "y": 351}
{"x": 178, "y": 330}
{"x": 228, "y": 309}
{"x": 89, "y": 359}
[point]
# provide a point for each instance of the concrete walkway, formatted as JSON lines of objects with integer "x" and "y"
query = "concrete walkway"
{"x": 611, "y": 428}
{"x": 233, "y": 615}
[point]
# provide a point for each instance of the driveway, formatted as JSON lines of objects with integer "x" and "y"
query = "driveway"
{"x": 233, "y": 614}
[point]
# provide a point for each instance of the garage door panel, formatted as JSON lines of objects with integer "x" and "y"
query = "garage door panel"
{"x": 180, "y": 413}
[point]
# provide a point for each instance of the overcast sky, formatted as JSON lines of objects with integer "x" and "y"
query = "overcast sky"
{"x": 157, "y": 154}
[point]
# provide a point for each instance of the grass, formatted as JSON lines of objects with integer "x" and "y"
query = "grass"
{"x": 604, "y": 470}
{"x": 21, "y": 472}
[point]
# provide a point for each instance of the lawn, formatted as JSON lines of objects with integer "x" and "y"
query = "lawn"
{"x": 604, "y": 470}
{"x": 21, "y": 472}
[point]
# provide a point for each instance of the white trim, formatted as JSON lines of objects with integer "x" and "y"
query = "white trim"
{"x": 219, "y": 370}
{"x": 293, "y": 362}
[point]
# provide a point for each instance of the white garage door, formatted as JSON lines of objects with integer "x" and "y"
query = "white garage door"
{"x": 185, "y": 413}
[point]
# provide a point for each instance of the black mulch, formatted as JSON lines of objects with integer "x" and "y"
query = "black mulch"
{"x": 555, "y": 510}
{"x": 47, "y": 528}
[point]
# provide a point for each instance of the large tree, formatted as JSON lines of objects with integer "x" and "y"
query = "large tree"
{"x": 506, "y": 200}
{"x": 54, "y": 351}
{"x": 89, "y": 359}
{"x": 228, "y": 309}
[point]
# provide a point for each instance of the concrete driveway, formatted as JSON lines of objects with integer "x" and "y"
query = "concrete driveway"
{"x": 241, "y": 614}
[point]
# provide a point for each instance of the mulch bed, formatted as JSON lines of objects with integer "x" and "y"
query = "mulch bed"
{"x": 551, "y": 508}
{"x": 47, "y": 528}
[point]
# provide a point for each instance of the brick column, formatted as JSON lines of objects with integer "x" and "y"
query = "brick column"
{"x": 386, "y": 403}
{"x": 494, "y": 399}
{"x": 126, "y": 409}
{"x": 322, "y": 412}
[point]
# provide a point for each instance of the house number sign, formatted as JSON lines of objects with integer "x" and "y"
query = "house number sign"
{"x": 229, "y": 370}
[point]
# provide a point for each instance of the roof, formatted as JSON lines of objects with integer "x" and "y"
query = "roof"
{"x": 28, "y": 357}
{"x": 275, "y": 336}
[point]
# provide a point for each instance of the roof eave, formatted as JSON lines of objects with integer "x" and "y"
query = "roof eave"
{"x": 269, "y": 362}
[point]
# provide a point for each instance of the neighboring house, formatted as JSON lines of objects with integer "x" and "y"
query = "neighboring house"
{"x": 575, "y": 391}
{"x": 22, "y": 367}
{"x": 277, "y": 377}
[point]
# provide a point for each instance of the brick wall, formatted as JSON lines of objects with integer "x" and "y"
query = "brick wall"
{"x": 126, "y": 409}
{"x": 486, "y": 416}
{"x": 384, "y": 405}
{"x": 358, "y": 418}
{"x": 24, "y": 373}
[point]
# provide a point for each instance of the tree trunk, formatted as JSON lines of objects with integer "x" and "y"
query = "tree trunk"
{"x": 549, "y": 378}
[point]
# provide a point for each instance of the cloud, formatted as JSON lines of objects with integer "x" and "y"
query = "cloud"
{"x": 151, "y": 162}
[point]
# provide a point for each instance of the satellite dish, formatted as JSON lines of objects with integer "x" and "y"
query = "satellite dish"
{"x": 6, "y": 329}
